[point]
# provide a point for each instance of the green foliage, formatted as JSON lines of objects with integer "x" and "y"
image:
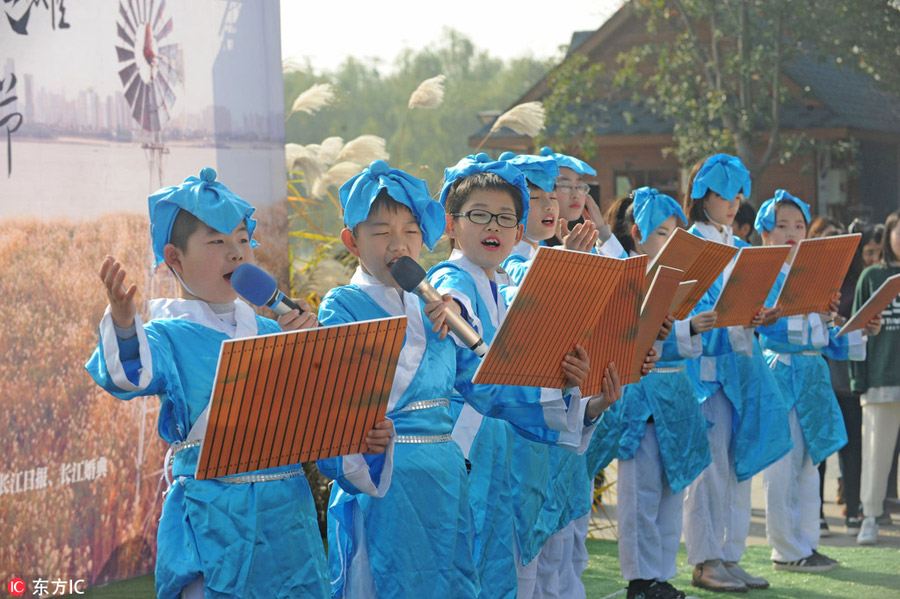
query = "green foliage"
{"x": 716, "y": 68}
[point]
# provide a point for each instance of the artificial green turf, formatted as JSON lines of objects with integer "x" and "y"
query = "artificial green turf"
{"x": 864, "y": 573}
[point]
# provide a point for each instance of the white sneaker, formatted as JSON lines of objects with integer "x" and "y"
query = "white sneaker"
{"x": 868, "y": 532}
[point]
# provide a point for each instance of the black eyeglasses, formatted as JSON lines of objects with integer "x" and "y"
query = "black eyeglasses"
{"x": 483, "y": 217}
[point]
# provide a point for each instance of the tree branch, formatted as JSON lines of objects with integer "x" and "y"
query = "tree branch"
{"x": 768, "y": 156}
{"x": 705, "y": 61}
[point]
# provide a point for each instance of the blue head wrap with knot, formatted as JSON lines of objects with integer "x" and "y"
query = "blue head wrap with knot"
{"x": 726, "y": 175}
{"x": 652, "y": 208}
{"x": 358, "y": 193}
{"x": 765, "y": 218}
{"x": 540, "y": 171}
{"x": 481, "y": 163}
{"x": 563, "y": 161}
{"x": 205, "y": 198}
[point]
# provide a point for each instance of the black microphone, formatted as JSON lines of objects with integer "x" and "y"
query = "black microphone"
{"x": 259, "y": 288}
{"x": 411, "y": 277}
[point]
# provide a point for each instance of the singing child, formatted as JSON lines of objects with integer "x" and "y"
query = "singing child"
{"x": 240, "y": 536}
{"x": 486, "y": 201}
{"x": 417, "y": 541}
{"x": 794, "y": 347}
{"x": 740, "y": 398}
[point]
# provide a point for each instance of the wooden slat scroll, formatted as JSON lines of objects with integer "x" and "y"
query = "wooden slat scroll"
{"x": 705, "y": 269}
{"x": 877, "y": 302}
{"x": 684, "y": 288}
{"x": 680, "y": 251}
{"x": 558, "y": 304}
{"x": 654, "y": 310}
{"x": 614, "y": 338}
{"x": 816, "y": 274}
{"x": 294, "y": 397}
{"x": 749, "y": 284}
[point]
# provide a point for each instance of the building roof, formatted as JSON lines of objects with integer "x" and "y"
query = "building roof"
{"x": 829, "y": 97}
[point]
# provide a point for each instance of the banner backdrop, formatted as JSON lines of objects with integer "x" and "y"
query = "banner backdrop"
{"x": 102, "y": 102}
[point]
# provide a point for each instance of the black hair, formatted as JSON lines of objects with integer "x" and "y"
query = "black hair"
{"x": 184, "y": 225}
{"x": 819, "y": 224}
{"x": 746, "y": 215}
{"x": 462, "y": 188}
{"x": 620, "y": 216}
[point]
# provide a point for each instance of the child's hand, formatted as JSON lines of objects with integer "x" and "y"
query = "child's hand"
{"x": 874, "y": 326}
{"x": 650, "y": 361}
{"x": 704, "y": 321}
{"x": 666, "y": 328}
{"x": 121, "y": 301}
{"x": 612, "y": 391}
{"x": 378, "y": 439}
{"x": 835, "y": 304}
{"x": 581, "y": 238}
{"x": 435, "y": 313}
{"x": 592, "y": 212}
{"x": 766, "y": 317}
{"x": 297, "y": 319}
{"x": 577, "y": 367}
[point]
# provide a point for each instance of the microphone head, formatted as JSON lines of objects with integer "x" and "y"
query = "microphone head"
{"x": 407, "y": 273}
{"x": 253, "y": 284}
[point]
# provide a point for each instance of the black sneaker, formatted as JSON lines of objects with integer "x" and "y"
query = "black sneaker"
{"x": 884, "y": 519}
{"x": 652, "y": 589}
{"x": 667, "y": 591}
{"x": 853, "y": 525}
{"x": 824, "y": 531}
{"x": 822, "y": 556}
{"x": 807, "y": 564}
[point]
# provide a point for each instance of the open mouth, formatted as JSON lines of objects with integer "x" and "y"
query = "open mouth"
{"x": 391, "y": 262}
{"x": 548, "y": 221}
{"x": 491, "y": 243}
{"x": 227, "y": 276}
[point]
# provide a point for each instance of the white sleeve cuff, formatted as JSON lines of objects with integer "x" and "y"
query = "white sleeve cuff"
{"x": 796, "y": 329}
{"x": 689, "y": 346}
{"x": 818, "y": 332}
{"x": 113, "y": 360}
{"x": 856, "y": 342}
{"x": 356, "y": 472}
{"x": 577, "y": 441}
{"x": 611, "y": 248}
{"x": 741, "y": 340}
{"x": 559, "y": 416}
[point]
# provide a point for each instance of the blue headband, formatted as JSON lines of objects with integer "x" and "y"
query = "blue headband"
{"x": 481, "y": 163}
{"x": 358, "y": 193}
{"x": 652, "y": 208}
{"x": 563, "y": 161}
{"x": 540, "y": 171}
{"x": 726, "y": 175}
{"x": 205, "y": 198}
{"x": 765, "y": 218}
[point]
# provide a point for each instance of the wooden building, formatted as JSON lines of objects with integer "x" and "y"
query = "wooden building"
{"x": 826, "y": 103}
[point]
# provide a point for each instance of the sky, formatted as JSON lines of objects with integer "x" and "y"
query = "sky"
{"x": 323, "y": 32}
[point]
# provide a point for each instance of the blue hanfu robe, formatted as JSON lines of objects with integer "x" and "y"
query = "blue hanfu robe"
{"x": 418, "y": 540}
{"x": 247, "y": 540}
{"x": 794, "y": 348}
{"x": 486, "y": 442}
{"x": 732, "y": 361}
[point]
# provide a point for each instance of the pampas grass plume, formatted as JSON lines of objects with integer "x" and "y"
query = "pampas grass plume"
{"x": 314, "y": 99}
{"x": 524, "y": 119}
{"x": 429, "y": 94}
{"x": 337, "y": 175}
{"x": 363, "y": 150}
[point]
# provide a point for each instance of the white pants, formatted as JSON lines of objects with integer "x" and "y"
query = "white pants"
{"x": 527, "y": 575}
{"x": 556, "y": 570}
{"x": 880, "y": 423}
{"x": 716, "y": 505}
{"x": 649, "y": 515}
{"x": 792, "y": 500}
{"x": 193, "y": 590}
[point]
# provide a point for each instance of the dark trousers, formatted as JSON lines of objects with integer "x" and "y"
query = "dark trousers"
{"x": 850, "y": 456}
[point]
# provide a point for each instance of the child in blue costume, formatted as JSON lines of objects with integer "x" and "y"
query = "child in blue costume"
{"x": 794, "y": 347}
{"x": 740, "y": 398}
{"x": 478, "y": 188}
{"x": 662, "y": 444}
{"x": 240, "y": 536}
{"x": 417, "y": 541}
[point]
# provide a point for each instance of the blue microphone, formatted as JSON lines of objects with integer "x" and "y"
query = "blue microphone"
{"x": 259, "y": 288}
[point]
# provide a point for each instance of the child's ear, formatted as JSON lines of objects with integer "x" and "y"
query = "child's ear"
{"x": 350, "y": 241}
{"x": 173, "y": 257}
{"x": 450, "y": 230}
{"x": 636, "y": 234}
{"x": 520, "y": 230}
